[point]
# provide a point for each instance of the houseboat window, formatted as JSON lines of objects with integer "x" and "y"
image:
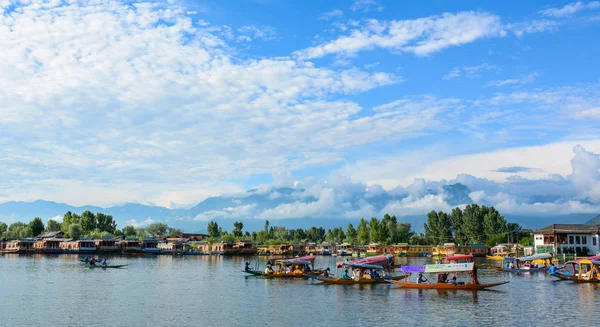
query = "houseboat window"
{"x": 584, "y": 240}
{"x": 571, "y": 240}
{"x": 577, "y": 239}
{"x": 593, "y": 240}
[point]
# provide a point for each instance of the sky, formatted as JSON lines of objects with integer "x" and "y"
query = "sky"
{"x": 170, "y": 102}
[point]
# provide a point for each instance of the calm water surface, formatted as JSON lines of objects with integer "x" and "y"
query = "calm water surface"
{"x": 211, "y": 291}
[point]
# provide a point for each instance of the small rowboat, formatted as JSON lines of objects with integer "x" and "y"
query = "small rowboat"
{"x": 104, "y": 267}
{"x": 446, "y": 286}
{"x": 362, "y": 281}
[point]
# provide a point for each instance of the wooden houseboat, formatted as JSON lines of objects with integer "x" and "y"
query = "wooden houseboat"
{"x": 204, "y": 247}
{"x": 173, "y": 245}
{"x": 245, "y": 247}
{"x": 344, "y": 249}
{"x": 107, "y": 244}
{"x": 223, "y": 248}
{"x": 150, "y": 246}
{"x": 325, "y": 249}
{"x": 130, "y": 246}
{"x": 19, "y": 246}
{"x": 400, "y": 249}
{"x": 79, "y": 246}
{"x": 263, "y": 250}
{"x": 420, "y": 250}
{"x": 280, "y": 249}
{"x": 374, "y": 249}
{"x": 48, "y": 246}
{"x": 310, "y": 248}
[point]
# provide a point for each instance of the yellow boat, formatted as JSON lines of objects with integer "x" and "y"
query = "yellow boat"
{"x": 501, "y": 255}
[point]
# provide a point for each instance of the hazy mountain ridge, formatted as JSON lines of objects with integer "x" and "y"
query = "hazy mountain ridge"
{"x": 251, "y": 206}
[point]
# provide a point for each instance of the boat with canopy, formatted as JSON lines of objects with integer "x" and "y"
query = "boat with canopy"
{"x": 444, "y": 271}
{"x": 299, "y": 267}
{"x": 585, "y": 270}
{"x": 370, "y": 270}
{"x": 533, "y": 263}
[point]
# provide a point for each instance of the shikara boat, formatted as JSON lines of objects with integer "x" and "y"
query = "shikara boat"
{"x": 104, "y": 267}
{"x": 443, "y": 270}
{"x": 300, "y": 267}
{"x": 586, "y": 270}
{"x": 533, "y": 263}
{"x": 379, "y": 268}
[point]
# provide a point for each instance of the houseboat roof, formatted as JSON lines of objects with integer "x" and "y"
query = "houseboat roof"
{"x": 568, "y": 228}
{"x": 108, "y": 237}
{"x": 362, "y": 265}
{"x": 478, "y": 246}
{"x": 55, "y": 239}
{"x": 50, "y": 234}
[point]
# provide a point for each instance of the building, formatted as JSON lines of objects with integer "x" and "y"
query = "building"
{"x": 48, "y": 245}
{"x": 107, "y": 244}
{"x": 47, "y": 235}
{"x": 575, "y": 239}
{"x": 18, "y": 246}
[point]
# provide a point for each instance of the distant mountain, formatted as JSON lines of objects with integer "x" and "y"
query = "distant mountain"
{"x": 594, "y": 221}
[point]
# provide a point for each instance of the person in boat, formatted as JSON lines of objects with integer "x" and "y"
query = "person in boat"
{"x": 92, "y": 262}
{"x": 442, "y": 278}
{"x": 345, "y": 275}
{"x": 374, "y": 274}
{"x": 104, "y": 263}
{"x": 86, "y": 259}
{"x": 422, "y": 279}
{"x": 269, "y": 270}
{"x": 552, "y": 269}
{"x": 247, "y": 267}
{"x": 327, "y": 272}
{"x": 453, "y": 281}
{"x": 474, "y": 279}
{"x": 306, "y": 269}
{"x": 298, "y": 271}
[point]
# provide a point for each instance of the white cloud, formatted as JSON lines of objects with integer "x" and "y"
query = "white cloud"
{"x": 251, "y": 32}
{"x": 469, "y": 71}
{"x": 570, "y": 9}
{"x": 592, "y": 113}
{"x": 421, "y": 36}
{"x": 335, "y": 13}
{"x": 366, "y": 6}
{"x": 58, "y": 218}
{"x": 535, "y": 26}
{"x": 528, "y": 79}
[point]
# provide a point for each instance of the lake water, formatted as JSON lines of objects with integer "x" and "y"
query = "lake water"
{"x": 212, "y": 291}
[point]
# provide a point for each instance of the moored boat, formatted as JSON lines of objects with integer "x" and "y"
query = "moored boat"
{"x": 443, "y": 271}
{"x": 533, "y": 263}
{"x": 586, "y": 270}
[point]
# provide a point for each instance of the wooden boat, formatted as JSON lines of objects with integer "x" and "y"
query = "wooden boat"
{"x": 586, "y": 270}
{"x": 380, "y": 268}
{"x": 447, "y": 286}
{"x": 104, "y": 267}
{"x": 526, "y": 264}
{"x": 284, "y": 268}
{"x": 443, "y": 271}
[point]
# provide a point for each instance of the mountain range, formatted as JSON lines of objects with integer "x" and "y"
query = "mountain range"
{"x": 248, "y": 206}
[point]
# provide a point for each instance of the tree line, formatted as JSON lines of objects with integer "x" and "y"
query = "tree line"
{"x": 474, "y": 225}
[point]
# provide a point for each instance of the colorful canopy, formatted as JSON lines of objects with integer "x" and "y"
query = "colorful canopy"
{"x": 412, "y": 269}
{"x": 382, "y": 260}
{"x": 294, "y": 261}
{"x": 459, "y": 257}
{"x": 536, "y": 257}
{"x": 452, "y": 267}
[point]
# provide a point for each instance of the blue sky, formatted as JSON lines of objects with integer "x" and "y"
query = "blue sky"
{"x": 170, "y": 102}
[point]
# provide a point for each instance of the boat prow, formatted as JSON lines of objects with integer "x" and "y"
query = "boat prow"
{"x": 446, "y": 286}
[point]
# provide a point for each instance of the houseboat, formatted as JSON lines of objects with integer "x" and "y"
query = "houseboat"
{"x": 130, "y": 246}
{"x": 374, "y": 249}
{"x": 400, "y": 249}
{"x": 420, "y": 250}
{"x": 107, "y": 244}
{"x": 345, "y": 249}
{"x": 205, "y": 247}
{"x": 150, "y": 246}
{"x": 280, "y": 249}
{"x": 263, "y": 250}
{"x": 79, "y": 246}
{"x": 245, "y": 248}
{"x": 19, "y": 246}
{"x": 325, "y": 249}
{"x": 310, "y": 248}
{"x": 172, "y": 246}
{"x": 48, "y": 246}
{"x": 223, "y": 248}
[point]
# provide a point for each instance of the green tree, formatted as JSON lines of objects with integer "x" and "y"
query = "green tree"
{"x": 403, "y": 233}
{"x": 105, "y": 223}
{"x": 237, "y": 229}
{"x": 37, "y": 226}
{"x": 26, "y": 232}
{"x": 129, "y": 231}
{"x": 316, "y": 234}
{"x": 213, "y": 229}
{"x": 438, "y": 229}
{"x": 174, "y": 232}
{"x": 14, "y": 230}
{"x": 494, "y": 226}
{"x": 374, "y": 230}
{"x": 351, "y": 234}
{"x": 157, "y": 229}
{"x": 456, "y": 218}
{"x": 418, "y": 239}
{"x": 52, "y": 226}
{"x": 75, "y": 231}
{"x": 526, "y": 241}
{"x": 3, "y": 228}
{"x": 88, "y": 221}
{"x": 363, "y": 232}
{"x": 473, "y": 223}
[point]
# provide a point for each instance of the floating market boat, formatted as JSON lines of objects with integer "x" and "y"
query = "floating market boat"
{"x": 533, "y": 263}
{"x": 380, "y": 268}
{"x": 586, "y": 270}
{"x": 300, "y": 267}
{"x": 443, "y": 271}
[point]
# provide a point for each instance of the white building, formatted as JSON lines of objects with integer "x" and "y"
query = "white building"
{"x": 576, "y": 239}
